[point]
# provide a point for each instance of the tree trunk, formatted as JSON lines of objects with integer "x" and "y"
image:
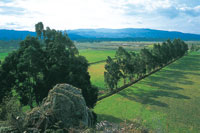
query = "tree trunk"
{"x": 31, "y": 105}
{"x": 111, "y": 89}
{"x": 124, "y": 81}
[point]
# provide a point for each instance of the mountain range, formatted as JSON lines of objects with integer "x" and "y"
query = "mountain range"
{"x": 126, "y": 34}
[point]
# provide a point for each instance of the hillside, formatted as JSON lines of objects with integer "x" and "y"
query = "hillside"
{"x": 14, "y": 35}
{"x": 131, "y": 33}
{"x": 127, "y": 34}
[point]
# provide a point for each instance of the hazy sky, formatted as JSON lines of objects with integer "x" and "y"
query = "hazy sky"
{"x": 173, "y": 15}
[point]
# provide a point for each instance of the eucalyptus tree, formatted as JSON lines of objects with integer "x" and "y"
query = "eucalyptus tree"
{"x": 148, "y": 59}
{"x": 112, "y": 74}
{"x": 63, "y": 64}
{"x": 171, "y": 49}
{"x": 42, "y": 62}
{"x": 132, "y": 66}
{"x": 39, "y": 28}
{"x": 123, "y": 60}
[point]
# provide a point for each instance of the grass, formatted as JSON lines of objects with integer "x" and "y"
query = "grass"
{"x": 167, "y": 101}
{"x": 2, "y": 56}
{"x": 96, "y": 55}
{"x": 90, "y": 54}
{"x": 97, "y": 74}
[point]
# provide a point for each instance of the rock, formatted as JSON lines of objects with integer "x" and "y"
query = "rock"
{"x": 64, "y": 105}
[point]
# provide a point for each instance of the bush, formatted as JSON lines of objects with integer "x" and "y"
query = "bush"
{"x": 11, "y": 113}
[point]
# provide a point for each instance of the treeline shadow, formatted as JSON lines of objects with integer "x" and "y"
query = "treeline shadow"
{"x": 148, "y": 97}
{"x": 177, "y": 71}
{"x": 163, "y": 81}
{"x": 191, "y": 63}
{"x": 170, "y": 76}
{"x": 162, "y": 86}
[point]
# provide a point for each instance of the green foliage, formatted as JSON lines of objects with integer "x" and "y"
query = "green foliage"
{"x": 194, "y": 47}
{"x": 123, "y": 58}
{"x": 38, "y": 65}
{"x": 137, "y": 65}
{"x": 148, "y": 58}
{"x": 5, "y": 76}
{"x": 9, "y": 108}
{"x": 112, "y": 74}
{"x": 39, "y": 28}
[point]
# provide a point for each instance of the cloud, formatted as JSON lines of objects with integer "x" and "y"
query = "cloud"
{"x": 6, "y": 1}
{"x": 163, "y": 8}
{"x": 170, "y": 12}
{"x": 12, "y": 25}
{"x": 8, "y": 10}
{"x": 194, "y": 11}
{"x": 74, "y": 14}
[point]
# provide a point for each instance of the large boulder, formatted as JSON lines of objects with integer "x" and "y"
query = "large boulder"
{"x": 64, "y": 104}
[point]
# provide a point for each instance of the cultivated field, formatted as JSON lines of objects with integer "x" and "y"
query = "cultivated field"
{"x": 97, "y": 74}
{"x": 3, "y": 55}
{"x": 96, "y": 55}
{"x": 167, "y": 101}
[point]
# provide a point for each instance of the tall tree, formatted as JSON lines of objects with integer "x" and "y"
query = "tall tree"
{"x": 123, "y": 58}
{"x": 112, "y": 74}
{"x": 29, "y": 69}
{"x": 132, "y": 66}
{"x": 38, "y": 65}
{"x": 39, "y": 28}
{"x": 148, "y": 59}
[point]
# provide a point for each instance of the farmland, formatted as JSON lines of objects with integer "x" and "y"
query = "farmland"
{"x": 166, "y": 101}
{"x": 3, "y": 55}
{"x": 96, "y": 55}
{"x": 119, "y": 66}
{"x": 113, "y": 45}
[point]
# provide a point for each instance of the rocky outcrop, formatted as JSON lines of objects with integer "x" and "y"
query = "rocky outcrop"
{"x": 65, "y": 105}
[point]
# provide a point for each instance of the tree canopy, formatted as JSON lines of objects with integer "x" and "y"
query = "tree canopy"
{"x": 130, "y": 65}
{"x": 42, "y": 62}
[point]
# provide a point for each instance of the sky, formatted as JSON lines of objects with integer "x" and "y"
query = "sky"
{"x": 171, "y": 15}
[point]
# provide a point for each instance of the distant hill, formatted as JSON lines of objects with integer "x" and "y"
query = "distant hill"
{"x": 14, "y": 35}
{"x": 127, "y": 34}
{"x": 131, "y": 34}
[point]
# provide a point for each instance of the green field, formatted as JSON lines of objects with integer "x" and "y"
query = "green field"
{"x": 3, "y": 55}
{"x": 96, "y": 55}
{"x": 90, "y": 54}
{"x": 96, "y": 72}
{"x": 167, "y": 101}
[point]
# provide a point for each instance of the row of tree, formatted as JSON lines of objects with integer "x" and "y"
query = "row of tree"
{"x": 131, "y": 66}
{"x": 42, "y": 62}
{"x": 194, "y": 47}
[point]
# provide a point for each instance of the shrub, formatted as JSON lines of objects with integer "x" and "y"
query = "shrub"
{"x": 11, "y": 113}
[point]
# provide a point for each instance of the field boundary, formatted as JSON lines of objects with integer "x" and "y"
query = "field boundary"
{"x": 97, "y": 62}
{"x": 131, "y": 83}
